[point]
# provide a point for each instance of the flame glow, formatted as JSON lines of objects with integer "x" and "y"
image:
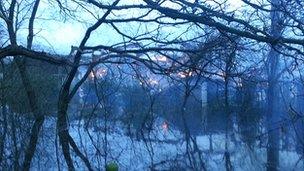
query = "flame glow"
{"x": 165, "y": 127}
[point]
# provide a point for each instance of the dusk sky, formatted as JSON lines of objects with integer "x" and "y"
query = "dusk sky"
{"x": 67, "y": 33}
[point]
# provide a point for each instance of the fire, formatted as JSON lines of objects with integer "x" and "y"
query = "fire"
{"x": 159, "y": 58}
{"x": 91, "y": 76}
{"x": 152, "y": 81}
{"x": 98, "y": 73}
{"x": 162, "y": 59}
{"x": 165, "y": 127}
{"x": 101, "y": 72}
{"x": 184, "y": 74}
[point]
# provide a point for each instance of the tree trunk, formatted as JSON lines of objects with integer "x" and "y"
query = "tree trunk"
{"x": 39, "y": 117}
{"x": 63, "y": 132}
{"x": 31, "y": 95}
{"x": 4, "y": 117}
{"x": 30, "y": 150}
{"x": 4, "y": 132}
{"x": 273, "y": 113}
{"x": 62, "y": 128}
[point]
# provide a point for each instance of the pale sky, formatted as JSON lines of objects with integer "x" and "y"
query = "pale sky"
{"x": 62, "y": 35}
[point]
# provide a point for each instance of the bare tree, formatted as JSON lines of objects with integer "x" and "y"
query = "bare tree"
{"x": 284, "y": 36}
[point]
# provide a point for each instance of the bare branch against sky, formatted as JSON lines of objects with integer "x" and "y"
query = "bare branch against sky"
{"x": 150, "y": 84}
